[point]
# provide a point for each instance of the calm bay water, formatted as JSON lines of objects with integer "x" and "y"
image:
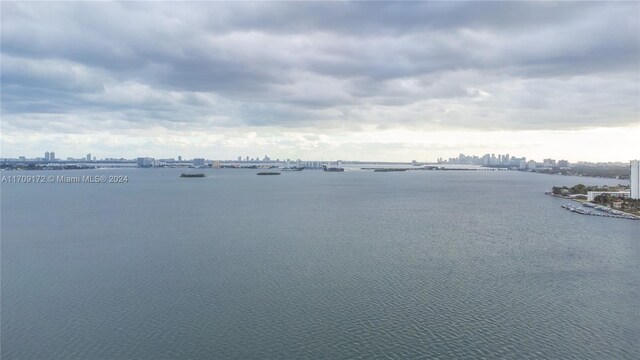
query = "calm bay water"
{"x": 310, "y": 264}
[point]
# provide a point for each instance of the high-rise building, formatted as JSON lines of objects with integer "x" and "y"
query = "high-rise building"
{"x": 46, "y": 156}
{"x": 145, "y": 162}
{"x": 179, "y": 158}
{"x": 635, "y": 179}
{"x": 89, "y": 157}
{"x": 548, "y": 163}
{"x": 198, "y": 162}
{"x": 523, "y": 164}
{"x": 52, "y": 156}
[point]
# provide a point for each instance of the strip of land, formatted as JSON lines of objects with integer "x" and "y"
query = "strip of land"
{"x": 614, "y": 200}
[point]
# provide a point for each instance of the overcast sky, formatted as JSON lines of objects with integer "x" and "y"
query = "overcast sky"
{"x": 334, "y": 80}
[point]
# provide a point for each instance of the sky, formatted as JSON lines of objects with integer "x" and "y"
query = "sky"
{"x": 391, "y": 81}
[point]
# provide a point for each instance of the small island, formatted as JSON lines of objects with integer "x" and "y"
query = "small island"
{"x": 268, "y": 173}
{"x": 192, "y": 175}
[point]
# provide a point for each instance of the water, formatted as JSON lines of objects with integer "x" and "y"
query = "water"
{"x": 420, "y": 264}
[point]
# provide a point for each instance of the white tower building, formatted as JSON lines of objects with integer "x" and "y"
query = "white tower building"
{"x": 635, "y": 179}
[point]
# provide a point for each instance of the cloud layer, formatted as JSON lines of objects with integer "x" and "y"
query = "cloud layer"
{"x": 333, "y": 68}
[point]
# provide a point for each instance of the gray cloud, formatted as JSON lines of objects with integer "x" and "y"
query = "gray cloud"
{"x": 478, "y": 65}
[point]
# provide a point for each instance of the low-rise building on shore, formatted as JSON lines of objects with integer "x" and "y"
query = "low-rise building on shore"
{"x": 619, "y": 194}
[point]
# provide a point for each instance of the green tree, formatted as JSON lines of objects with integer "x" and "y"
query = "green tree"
{"x": 579, "y": 189}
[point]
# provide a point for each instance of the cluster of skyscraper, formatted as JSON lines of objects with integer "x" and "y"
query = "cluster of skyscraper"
{"x": 257, "y": 159}
{"x": 49, "y": 156}
{"x": 504, "y": 160}
{"x": 487, "y": 159}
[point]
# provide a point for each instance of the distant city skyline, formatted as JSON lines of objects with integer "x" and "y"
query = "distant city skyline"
{"x": 494, "y": 158}
{"x": 380, "y": 81}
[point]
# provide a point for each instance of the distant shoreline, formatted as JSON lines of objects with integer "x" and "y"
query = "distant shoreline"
{"x": 374, "y": 169}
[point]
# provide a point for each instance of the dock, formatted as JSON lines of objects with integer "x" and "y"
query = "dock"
{"x": 605, "y": 212}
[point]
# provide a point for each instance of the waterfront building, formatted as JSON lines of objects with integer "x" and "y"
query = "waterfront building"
{"x": 145, "y": 162}
{"x": 198, "y": 162}
{"x": 88, "y": 157}
{"x": 531, "y": 165}
{"x": 635, "y": 179}
{"x": 46, "y": 156}
{"x": 619, "y": 194}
